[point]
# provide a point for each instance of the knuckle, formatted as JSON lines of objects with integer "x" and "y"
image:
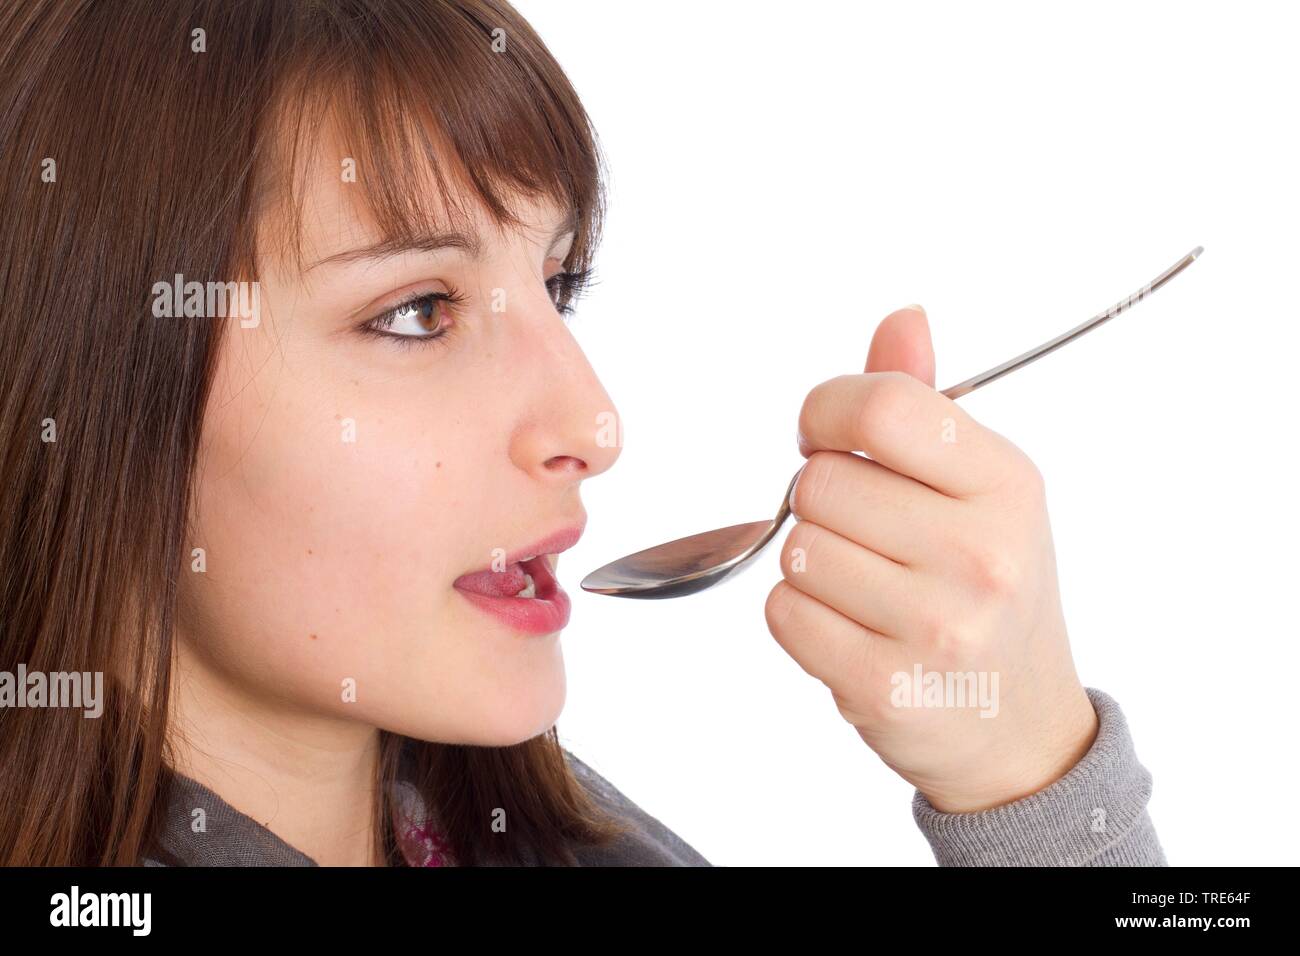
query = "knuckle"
{"x": 795, "y": 551}
{"x": 821, "y": 398}
{"x": 995, "y": 573}
{"x": 812, "y": 484}
{"x": 1027, "y": 479}
{"x": 945, "y": 639}
{"x": 780, "y": 603}
{"x": 869, "y": 710}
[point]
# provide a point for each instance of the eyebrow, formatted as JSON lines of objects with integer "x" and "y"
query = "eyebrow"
{"x": 470, "y": 243}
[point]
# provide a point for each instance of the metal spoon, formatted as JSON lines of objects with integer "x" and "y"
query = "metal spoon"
{"x": 700, "y": 561}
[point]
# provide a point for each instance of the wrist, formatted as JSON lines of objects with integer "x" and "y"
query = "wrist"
{"x": 1065, "y": 742}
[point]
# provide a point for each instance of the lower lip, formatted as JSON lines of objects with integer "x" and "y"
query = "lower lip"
{"x": 546, "y": 613}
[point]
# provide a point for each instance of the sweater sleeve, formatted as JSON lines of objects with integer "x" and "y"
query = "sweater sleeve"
{"x": 1096, "y": 815}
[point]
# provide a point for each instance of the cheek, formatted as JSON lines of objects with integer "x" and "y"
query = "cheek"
{"x": 331, "y": 537}
{"x": 335, "y": 518}
{"x": 319, "y": 526}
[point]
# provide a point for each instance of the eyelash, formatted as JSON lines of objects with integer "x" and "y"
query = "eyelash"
{"x": 568, "y": 285}
{"x": 375, "y": 327}
{"x": 571, "y": 286}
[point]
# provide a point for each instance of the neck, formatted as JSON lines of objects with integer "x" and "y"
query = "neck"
{"x": 310, "y": 778}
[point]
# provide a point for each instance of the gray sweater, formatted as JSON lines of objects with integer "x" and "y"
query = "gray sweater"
{"x": 1093, "y": 816}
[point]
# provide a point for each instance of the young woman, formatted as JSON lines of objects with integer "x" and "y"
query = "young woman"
{"x": 289, "y": 415}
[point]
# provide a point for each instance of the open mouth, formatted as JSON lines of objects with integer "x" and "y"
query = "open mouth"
{"x": 526, "y": 597}
{"x": 530, "y": 579}
{"x": 525, "y": 594}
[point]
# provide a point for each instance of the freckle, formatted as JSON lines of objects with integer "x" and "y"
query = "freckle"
{"x": 313, "y": 637}
{"x": 438, "y": 465}
{"x": 309, "y": 550}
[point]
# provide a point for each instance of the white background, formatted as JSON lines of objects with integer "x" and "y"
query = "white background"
{"x": 784, "y": 177}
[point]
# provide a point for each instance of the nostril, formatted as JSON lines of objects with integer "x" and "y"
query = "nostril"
{"x": 566, "y": 463}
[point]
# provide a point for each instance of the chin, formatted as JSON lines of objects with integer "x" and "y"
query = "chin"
{"x": 503, "y": 715}
{"x": 531, "y": 712}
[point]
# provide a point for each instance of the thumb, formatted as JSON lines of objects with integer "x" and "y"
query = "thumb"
{"x": 902, "y": 344}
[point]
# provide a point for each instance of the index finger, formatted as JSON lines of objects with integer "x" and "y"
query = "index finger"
{"x": 908, "y": 427}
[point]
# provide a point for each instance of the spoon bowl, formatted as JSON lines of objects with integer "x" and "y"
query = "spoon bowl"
{"x": 689, "y": 564}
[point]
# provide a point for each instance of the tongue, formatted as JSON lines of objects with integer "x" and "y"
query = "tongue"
{"x": 505, "y": 583}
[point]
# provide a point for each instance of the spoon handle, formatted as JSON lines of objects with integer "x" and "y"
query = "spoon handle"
{"x": 968, "y": 386}
{"x": 1012, "y": 364}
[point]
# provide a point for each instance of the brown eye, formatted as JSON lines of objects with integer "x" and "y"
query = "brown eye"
{"x": 427, "y": 313}
{"x": 422, "y": 317}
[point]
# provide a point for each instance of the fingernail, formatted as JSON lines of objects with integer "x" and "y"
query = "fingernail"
{"x": 915, "y": 308}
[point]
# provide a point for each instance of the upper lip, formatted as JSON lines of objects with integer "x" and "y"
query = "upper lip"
{"x": 553, "y": 543}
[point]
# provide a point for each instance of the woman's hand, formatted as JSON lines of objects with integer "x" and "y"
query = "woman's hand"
{"x": 932, "y": 558}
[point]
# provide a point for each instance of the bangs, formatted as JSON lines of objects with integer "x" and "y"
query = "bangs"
{"x": 441, "y": 109}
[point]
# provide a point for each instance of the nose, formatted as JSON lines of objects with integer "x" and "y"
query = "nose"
{"x": 569, "y": 429}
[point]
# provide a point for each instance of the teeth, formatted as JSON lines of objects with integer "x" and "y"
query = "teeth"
{"x": 530, "y": 589}
{"x": 529, "y": 558}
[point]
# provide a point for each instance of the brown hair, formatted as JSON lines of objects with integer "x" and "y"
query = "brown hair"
{"x": 131, "y": 156}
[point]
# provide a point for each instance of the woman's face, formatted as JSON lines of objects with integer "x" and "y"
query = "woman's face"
{"x": 346, "y": 479}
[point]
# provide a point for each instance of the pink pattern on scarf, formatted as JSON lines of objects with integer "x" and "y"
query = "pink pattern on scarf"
{"x": 425, "y": 846}
{"x": 421, "y": 842}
